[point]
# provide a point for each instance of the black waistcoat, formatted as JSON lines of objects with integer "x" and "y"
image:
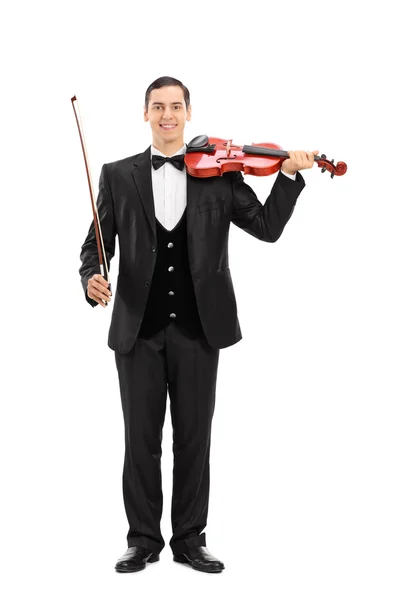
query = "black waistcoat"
{"x": 171, "y": 296}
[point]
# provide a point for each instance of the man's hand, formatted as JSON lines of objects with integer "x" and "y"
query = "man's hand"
{"x": 298, "y": 160}
{"x": 97, "y": 289}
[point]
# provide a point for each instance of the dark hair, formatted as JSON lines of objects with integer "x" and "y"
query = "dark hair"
{"x": 163, "y": 82}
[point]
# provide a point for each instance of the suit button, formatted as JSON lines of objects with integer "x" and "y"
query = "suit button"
{"x": 171, "y": 293}
{"x": 170, "y": 269}
{"x": 170, "y": 245}
{"x": 147, "y": 284}
{"x": 153, "y": 248}
{"x": 172, "y": 315}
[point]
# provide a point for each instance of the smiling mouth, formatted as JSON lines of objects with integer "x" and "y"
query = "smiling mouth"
{"x": 167, "y": 127}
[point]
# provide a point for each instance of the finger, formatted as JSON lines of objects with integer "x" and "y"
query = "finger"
{"x": 107, "y": 286}
{"x": 104, "y": 297}
{"x": 295, "y": 159}
{"x": 309, "y": 159}
{"x": 101, "y": 288}
{"x": 102, "y": 302}
{"x": 305, "y": 159}
{"x": 302, "y": 159}
{"x": 312, "y": 156}
{"x": 97, "y": 282}
{"x": 100, "y": 278}
{"x": 96, "y": 299}
{"x": 101, "y": 294}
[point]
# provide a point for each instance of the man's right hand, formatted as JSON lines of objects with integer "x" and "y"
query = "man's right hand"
{"x": 97, "y": 289}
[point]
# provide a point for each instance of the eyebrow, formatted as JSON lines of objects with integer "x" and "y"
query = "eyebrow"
{"x": 162, "y": 103}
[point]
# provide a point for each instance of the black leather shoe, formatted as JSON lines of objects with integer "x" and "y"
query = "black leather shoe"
{"x": 135, "y": 559}
{"x": 201, "y": 559}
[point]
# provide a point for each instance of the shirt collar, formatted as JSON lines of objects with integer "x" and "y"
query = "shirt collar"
{"x": 157, "y": 152}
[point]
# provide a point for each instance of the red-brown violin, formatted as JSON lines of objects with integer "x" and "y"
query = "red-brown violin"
{"x": 210, "y": 157}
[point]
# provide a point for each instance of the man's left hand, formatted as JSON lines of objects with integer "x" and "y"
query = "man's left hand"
{"x": 298, "y": 160}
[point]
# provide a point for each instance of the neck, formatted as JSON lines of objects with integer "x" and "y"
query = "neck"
{"x": 168, "y": 148}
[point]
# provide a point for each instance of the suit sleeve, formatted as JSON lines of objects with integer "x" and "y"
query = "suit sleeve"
{"x": 89, "y": 255}
{"x": 265, "y": 222}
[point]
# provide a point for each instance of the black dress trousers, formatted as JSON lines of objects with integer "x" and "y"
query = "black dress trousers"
{"x": 185, "y": 366}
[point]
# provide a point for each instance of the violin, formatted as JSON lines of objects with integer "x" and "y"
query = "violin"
{"x": 210, "y": 157}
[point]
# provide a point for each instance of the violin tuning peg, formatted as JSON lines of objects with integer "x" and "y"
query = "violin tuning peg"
{"x": 332, "y": 174}
{"x": 323, "y": 169}
{"x": 332, "y": 161}
{"x": 323, "y": 155}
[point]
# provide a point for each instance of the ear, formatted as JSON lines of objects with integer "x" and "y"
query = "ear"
{"x": 145, "y": 114}
{"x": 189, "y": 113}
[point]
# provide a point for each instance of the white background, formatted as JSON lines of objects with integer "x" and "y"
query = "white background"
{"x": 305, "y": 449}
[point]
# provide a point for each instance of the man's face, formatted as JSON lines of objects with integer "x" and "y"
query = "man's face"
{"x": 167, "y": 114}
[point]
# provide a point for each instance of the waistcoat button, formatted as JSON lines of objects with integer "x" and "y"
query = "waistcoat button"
{"x": 171, "y": 293}
{"x": 147, "y": 284}
{"x": 172, "y": 315}
{"x": 170, "y": 268}
{"x": 170, "y": 245}
{"x": 153, "y": 248}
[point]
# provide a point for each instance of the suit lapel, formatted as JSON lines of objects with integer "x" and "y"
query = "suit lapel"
{"x": 141, "y": 173}
{"x": 192, "y": 191}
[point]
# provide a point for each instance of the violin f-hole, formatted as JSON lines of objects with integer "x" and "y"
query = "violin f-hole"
{"x": 226, "y": 158}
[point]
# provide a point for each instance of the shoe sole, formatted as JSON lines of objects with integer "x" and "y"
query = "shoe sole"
{"x": 183, "y": 560}
{"x": 153, "y": 558}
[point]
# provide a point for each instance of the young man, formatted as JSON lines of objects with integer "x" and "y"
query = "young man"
{"x": 174, "y": 310}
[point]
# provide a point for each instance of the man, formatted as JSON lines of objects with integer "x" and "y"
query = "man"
{"x": 174, "y": 310}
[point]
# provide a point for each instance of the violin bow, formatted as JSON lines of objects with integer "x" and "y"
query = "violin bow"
{"x": 96, "y": 220}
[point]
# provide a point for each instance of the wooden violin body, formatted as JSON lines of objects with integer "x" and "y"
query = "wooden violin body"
{"x": 211, "y": 157}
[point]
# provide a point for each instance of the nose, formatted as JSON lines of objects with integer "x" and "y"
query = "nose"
{"x": 167, "y": 113}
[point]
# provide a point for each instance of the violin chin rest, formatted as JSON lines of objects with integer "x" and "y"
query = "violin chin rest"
{"x": 198, "y": 142}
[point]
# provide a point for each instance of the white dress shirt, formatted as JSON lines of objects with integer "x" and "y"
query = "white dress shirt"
{"x": 169, "y": 190}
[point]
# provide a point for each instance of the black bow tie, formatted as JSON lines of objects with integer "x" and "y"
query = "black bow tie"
{"x": 177, "y": 161}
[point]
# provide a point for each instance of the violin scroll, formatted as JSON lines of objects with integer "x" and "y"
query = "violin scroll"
{"x": 328, "y": 165}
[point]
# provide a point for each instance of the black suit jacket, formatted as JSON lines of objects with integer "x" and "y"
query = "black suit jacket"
{"x": 126, "y": 208}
